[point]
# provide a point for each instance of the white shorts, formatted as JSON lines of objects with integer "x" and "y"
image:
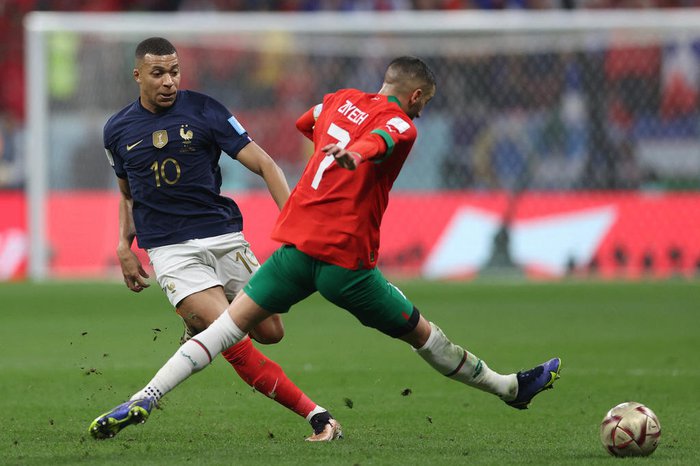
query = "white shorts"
{"x": 197, "y": 264}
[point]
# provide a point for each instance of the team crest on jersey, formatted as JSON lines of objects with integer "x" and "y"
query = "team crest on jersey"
{"x": 160, "y": 138}
{"x": 186, "y": 134}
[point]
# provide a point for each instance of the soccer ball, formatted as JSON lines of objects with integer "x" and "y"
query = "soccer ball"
{"x": 630, "y": 429}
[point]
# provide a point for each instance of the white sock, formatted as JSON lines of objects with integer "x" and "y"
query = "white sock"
{"x": 455, "y": 362}
{"x": 193, "y": 356}
{"x": 316, "y": 410}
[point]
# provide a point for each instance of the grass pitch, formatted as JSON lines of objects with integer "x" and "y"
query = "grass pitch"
{"x": 73, "y": 350}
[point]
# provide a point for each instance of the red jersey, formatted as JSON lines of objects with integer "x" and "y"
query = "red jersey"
{"x": 334, "y": 214}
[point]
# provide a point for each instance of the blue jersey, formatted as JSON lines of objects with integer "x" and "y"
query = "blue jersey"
{"x": 171, "y": 161}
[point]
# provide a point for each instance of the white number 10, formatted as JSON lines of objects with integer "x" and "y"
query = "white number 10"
{"x": 343, "y": 138}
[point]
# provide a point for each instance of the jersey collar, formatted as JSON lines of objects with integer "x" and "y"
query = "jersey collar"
{"x": 148, "y": 112}
{"x": 394, "y": 99}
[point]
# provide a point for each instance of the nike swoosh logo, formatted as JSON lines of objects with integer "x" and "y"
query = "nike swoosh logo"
{"x": 129, "y": 147}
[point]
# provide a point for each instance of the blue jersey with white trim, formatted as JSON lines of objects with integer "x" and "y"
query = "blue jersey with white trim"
{"x": 171, "y": 161}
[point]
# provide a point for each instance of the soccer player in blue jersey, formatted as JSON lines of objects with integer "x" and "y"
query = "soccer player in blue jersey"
{"x": 165, "y": 148}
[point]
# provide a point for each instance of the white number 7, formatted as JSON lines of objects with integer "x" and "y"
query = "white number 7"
{"x": 343, "y": 138}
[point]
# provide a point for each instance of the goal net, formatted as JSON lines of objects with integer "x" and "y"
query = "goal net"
{"x": 538, "y": 153}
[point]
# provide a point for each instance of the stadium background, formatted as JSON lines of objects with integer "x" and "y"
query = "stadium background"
{"x": 543, "y": 154}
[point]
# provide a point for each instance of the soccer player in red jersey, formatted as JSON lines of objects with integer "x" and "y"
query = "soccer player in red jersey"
{"x": 164, "y": 148}
{"x": 329, "y": 228}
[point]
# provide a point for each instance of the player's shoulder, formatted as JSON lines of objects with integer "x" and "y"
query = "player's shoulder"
{"x": 343, "y": 94}
{"x": 122, "y": 114}
{"x": 350, "y": 91}
{"x": 401, "y": 123}
{"x": 194, "y": 97}
{"x": 394, "y": 122}
{"x": 203, "y": 102}
{"x": 121, "y": 119}
{"x": 382, "y": 106}
{"x": 389, "y": 109}
{"x": 364, "y": 100}
{"x": 197, "y": 98}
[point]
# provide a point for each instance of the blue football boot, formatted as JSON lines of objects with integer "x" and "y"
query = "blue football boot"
{"x": 107, "y": 425}
{"x": 532, "y": 382}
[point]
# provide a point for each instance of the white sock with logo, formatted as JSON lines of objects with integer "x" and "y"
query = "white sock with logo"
{"x": 193, "y": 356}
{"x": 456, "y": 363}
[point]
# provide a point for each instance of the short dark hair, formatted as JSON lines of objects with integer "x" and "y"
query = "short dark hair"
{"x": 154, "y": 46}
{"x": 413, "y": 69}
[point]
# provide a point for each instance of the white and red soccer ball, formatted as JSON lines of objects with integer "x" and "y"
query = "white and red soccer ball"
{"x": 630, "y": 429}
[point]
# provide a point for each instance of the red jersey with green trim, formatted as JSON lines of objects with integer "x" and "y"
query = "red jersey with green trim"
{"x": 334, "y": 214}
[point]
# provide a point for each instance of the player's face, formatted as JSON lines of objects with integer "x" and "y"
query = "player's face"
{"x": 418, "y": 101}
{"x": 158, "y": 77}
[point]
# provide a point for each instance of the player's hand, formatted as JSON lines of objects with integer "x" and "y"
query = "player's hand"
{"x": 133, "y": 272}
{"x": 344, "y": 158}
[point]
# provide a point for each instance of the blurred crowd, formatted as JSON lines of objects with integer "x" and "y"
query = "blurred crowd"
{"x": 502, "y": 121}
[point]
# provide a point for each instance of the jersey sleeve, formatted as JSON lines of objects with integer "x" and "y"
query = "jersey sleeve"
{"x": 112, "y": 152}
{"x": 390, "y": 131}
{"x": 369, "y": 147}
{"x": 228, "y": 133}
{"x": 305, "y": 124}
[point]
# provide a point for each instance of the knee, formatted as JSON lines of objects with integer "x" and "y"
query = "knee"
{"x": 269, "y": 331}
{"x": 419, "y": 334}
{"x": 265, "y": 339}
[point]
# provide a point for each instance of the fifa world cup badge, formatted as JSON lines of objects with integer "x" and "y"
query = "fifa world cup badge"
{"x": 160, "y": 138}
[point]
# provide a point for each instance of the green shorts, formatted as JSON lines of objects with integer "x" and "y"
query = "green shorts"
{"x": 289, "y": 276}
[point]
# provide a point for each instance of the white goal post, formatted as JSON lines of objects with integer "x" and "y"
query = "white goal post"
{"x": 363, "y": 34}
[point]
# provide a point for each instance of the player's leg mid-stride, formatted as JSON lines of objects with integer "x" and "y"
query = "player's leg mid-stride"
{"x": 534, "y": 381}
{"x": 107, "y": 425}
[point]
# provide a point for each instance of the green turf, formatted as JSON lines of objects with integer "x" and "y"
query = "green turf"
{"x": 73, "y": 350}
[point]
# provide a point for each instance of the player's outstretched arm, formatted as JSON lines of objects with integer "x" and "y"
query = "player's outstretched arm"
{"x": 255, "y": 159}
{"x": 132, "y": 269}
